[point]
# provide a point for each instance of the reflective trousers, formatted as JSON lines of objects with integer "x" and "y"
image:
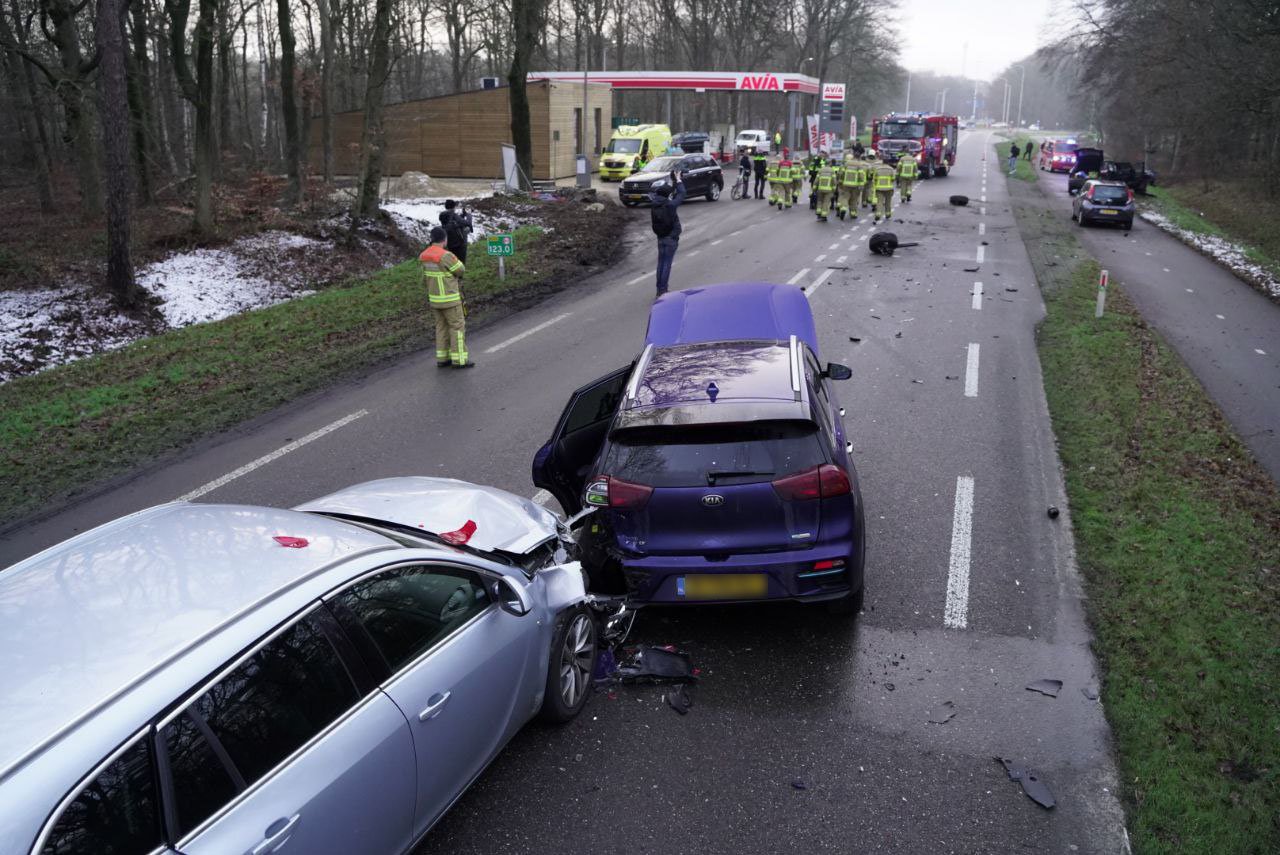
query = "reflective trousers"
{"x": 451, "y": 334}
{"x": 904, "y": 187}
{"x": 797, "y": 187}
{"x": 848, "y": 199}
{"x": 824, "y": 203}
{"x": 883, "y": 206}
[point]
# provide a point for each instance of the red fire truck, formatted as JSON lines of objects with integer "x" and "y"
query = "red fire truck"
{"x": 928, "y": 137}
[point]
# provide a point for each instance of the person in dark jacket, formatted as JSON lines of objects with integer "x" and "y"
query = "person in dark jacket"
{"x": 665, "y": 200}
{"x": 760, "y": 165}
{"x": 457, "y": 228}
{"x": 744, "y": 173}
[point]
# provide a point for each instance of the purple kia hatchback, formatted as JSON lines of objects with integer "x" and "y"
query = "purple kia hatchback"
{"x": 717, "y": 462}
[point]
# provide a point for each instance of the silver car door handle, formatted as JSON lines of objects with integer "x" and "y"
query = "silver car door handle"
{"x": 278, "y": 838}
{"x": 433, "y": 709}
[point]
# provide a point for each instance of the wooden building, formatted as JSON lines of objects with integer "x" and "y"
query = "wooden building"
{"x": 460, "y": 136}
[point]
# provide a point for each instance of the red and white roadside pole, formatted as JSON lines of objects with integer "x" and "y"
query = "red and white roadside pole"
{"x": 1103, "y": 278}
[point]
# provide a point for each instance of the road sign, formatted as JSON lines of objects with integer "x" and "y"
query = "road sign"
{"x": 832, "y": 120}
{"x": 833, "y": 92}
{"x": 502, "y": 244}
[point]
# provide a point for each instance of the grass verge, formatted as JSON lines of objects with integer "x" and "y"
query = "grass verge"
{"x": 87, "y": 421}
{"x": 1025, "y": 170}
{"x": 1218, "y": 211}
{"x": 1178, "y": 538}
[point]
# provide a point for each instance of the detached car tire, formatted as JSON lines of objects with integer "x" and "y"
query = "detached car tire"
{"x": 575, "y": 646}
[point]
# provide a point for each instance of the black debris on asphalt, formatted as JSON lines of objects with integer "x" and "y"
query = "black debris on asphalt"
{"x": 799, "y": 784}
{"x": 1030, "y": 781}
{"x": 656, "y": 665}
{"x": 680, "y": 700}
{"x": 1053, "y": 512}
{"x": 855, "y": 339}
{"x": 1046, "y": 687}
{"x": 959, "y": 200}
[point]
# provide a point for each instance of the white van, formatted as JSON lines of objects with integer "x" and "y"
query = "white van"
{"x": 759, "y": 140}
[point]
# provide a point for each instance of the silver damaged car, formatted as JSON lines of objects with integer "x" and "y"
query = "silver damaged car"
{"x": 329, "y": 679}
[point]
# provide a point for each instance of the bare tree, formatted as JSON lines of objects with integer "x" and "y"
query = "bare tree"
{"x": 109, "y": 32}
{"x": 35, "y": 141}
{"x": 292, "y": 143}
{"x": 529, "y": 19}
{"x": 373, "y": 137}
{"x": 199, "y": 91}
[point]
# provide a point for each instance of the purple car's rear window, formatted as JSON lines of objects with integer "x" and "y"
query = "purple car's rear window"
{"x": 696, "y": 456}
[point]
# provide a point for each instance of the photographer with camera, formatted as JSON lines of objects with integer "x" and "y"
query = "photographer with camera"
{"x": 457, "y": 228}
{"x": 665, "y": 198}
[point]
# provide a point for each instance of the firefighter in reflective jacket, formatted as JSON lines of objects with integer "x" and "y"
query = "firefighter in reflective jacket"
{"x": 825, "y": 185}
{"x": 442, "y": 271}
{"x": 797, "y": 180}
{"x": 882, "y": 183}
{"x": 849, "y": 192}
{"x": 907, "y": 174}
{"x": 780, "y": 183}
{"x": 772, "y": 175}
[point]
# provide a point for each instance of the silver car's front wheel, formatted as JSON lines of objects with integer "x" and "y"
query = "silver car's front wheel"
{"x": 573, "y": 661}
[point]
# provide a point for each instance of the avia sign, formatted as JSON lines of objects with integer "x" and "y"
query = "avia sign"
{"x": 833, "y": 92}
{"x": 760, "y": 82}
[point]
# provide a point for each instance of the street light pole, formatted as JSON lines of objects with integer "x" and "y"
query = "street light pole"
{"x": 1021, "y": 86}
{"x": 907, "y": 107}
{"x": 943, "y": 108}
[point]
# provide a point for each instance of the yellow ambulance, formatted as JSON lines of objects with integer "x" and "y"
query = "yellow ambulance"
{"x": 630, "y": 148}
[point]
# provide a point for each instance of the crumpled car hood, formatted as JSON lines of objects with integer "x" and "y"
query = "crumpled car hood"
{"x": 503, "y": 521}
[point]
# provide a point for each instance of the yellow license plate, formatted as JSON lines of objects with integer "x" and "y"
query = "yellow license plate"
{"x": 728, "y": 586}
{"x": 1110, "y": 211}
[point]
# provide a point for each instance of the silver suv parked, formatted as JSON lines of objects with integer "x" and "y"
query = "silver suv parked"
{"x": 329, "y": 679}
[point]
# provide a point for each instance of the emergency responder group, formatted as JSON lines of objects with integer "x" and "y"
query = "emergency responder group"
{"x": 841, "y": 184}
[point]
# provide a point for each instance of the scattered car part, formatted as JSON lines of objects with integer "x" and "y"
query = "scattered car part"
{"x": 679, "y": 699}
{"x": 886, "y": 243}
{"x": 959, "y": 200}
{"x": 657, "y": 665}
{"x": 1046, "y": 687}
{"x": 1035, "y": 788}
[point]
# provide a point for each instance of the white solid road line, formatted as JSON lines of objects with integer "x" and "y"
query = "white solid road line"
{"x": 982, "y": 252}
{"x": 956, "y": 613}
{"x": 267, "y": 458}
{"x": 539, "y": 328}
{"x": 977, "y": 295}
{"x": 794, "y": 279}
{"x": 822, "y": 277}
{"x": 971, "y": 372}
{"x": 636, "y": 279}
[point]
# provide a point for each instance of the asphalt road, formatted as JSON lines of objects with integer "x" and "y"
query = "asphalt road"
{"x": 808, "y": 733}
{"x": 1226, "y": 331}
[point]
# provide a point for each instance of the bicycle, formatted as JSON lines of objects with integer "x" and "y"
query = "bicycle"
{"x": 742, "y": 187}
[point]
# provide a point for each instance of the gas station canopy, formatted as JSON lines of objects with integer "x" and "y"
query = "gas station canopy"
{"x": 696, "y": 81}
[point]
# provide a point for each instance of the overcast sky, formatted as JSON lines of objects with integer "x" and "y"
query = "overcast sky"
{"x": 934, "y": 33}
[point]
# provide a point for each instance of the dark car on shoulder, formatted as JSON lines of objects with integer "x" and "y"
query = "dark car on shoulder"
{"x": 1104, "y": 202}
{"x": 1088, "y": 165}
{"x": 1134, "y": 176}
{"x": 702, "y": 177}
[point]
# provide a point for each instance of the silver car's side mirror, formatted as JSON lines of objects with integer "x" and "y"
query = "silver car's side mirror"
{"x": 510, "y": 599}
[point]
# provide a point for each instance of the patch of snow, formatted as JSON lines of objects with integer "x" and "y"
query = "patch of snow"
{"x": 1228, "y": 253}
{"x": 416, "y": 218}
{"x": 40, "y": 329}
{"x": 210, "y": 284}
{"x": 57, "y": 325}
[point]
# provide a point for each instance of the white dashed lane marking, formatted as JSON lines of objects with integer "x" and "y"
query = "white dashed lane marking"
{"x": 804, "y": 271}
{"x": 633, "y": 280}
{"x": 971, "y": 372}
{"x": 977, "y": 295}
{"x": 834, "y": 246}
{"x": 841, "y": 259}
{"x": 539, "y": 328}
{"x": 1259, "y": 351}
{"x": 817, "y": 283}
{"x": 717, "y": 241}
{"x": 982, "y": 252}
{"x": 1220, "y": 317}
{"x": 818, "y": 260}
{"x": 267, "y": 458}
{"x": 982, "y": 228}
{"x": 956, "y": 613}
